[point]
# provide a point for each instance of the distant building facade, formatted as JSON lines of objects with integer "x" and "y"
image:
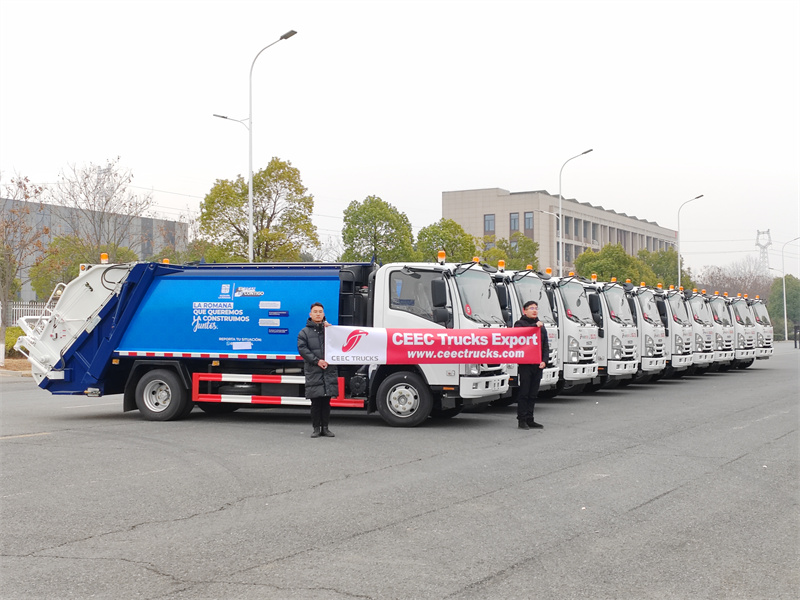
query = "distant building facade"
{"x": 144, "y": 235}
{"x": 500, "y": 213}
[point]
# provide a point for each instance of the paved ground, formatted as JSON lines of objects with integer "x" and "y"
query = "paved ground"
{"x": 683, "y": 489}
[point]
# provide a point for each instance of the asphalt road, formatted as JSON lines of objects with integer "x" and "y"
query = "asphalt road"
{"x": 684, "y": 489}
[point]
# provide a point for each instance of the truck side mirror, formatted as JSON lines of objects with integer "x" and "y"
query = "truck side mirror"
{"x": 597, "y": 311}
{"x": 502, "y": 296}
{"x": 441, "y": 314}
{"x": 438, "y": 293}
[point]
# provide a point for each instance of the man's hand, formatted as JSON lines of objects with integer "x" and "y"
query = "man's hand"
{"x": 322, "y": 363}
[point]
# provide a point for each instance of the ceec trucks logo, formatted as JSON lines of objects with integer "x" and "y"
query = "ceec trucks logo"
{"x": 352, "y": 339}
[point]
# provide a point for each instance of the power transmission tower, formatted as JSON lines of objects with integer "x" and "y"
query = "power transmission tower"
{"x": 763, "y": 258}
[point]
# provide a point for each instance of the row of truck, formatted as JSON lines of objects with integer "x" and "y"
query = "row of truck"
{"x": 220, "y": 337}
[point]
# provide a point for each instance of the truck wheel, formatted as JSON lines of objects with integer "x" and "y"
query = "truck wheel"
{"x": 404, "y": 400}
{"x": 746, "y": 363}
{"x": 160, "y": 396}
{"x": 507, "y": 400}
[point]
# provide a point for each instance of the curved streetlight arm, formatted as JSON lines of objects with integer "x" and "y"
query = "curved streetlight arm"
{"x": 285, "y": 36}
{"x": 679, "y": 235}
{"x": 783, "y": 268}
{"x": 242, "y": 121}
{"x": 560, "y": 214}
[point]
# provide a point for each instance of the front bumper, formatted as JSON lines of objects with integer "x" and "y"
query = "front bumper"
{"x": 621, "y": 367}
{"x": 746, "y": 354}
{"x": 580, "y": 372}
{"x": 490, "y": 388}
{"x": 764, "y": 352}
{"x": 654, "y": 364}
{"x": 702, "y": 358}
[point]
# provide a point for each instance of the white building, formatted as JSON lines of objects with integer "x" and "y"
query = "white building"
{"x": 498, "y": 212}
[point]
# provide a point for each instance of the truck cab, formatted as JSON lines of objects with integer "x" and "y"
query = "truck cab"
{"x": 577, "y": 345}
{"x": 702, "y": 330}
{"x": 744, "y": 327}
{"x": 652, "y": 333}
{"x": 723, "y": 331}
{"x": 675, "y": 317}
{"x": 522, "y": 286}
{"x": 764, "y": 331}
{"x": 617, "y": 333}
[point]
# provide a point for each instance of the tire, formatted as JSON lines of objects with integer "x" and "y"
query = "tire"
{"x": 746, "y": 363}
{"x": 404, "y": 400}
{"x": 218, "y": 408}
{"x": 160, "y": 396}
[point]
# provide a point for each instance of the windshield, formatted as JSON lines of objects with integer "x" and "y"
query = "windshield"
{"x": 532, "y": 288}
{"x": 479, "y": 297}
{"x": 647, "y": 302}
{"x": 678, "y": 306}
{"x": 576, "y": 302}
{"x": 618, "y": 305}
{"x": 741, "y": 312}
{"x": 720, "y": 310}
{"x": 760, "y": 311}
{"x": 700, "y": 310}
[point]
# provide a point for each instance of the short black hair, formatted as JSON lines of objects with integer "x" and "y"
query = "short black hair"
{"x": 528, "y": 303}
{"x": 317, "y": 304}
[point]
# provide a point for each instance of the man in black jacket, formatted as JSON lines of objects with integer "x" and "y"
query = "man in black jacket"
{"x": 530, "y": 375}
{"x": 322, "y": 379}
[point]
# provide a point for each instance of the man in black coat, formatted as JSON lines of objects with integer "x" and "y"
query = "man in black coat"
{"x": 530, "y": 375}
{"x": 322, "y": 379}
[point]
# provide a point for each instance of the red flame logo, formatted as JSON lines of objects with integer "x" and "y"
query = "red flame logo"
{"x": 353, "y": 339}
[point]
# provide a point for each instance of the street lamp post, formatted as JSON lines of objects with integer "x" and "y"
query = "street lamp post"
{"x": 249, "y": 126}
{"x": 783, "y": 268}
{"x": 560, "y": 216}
{"x": 679, "y": 236}
{"x": 558, "y": 223}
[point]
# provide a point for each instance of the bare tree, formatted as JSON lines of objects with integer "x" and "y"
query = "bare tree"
{"x": 22, "y": 233}
{"x": 742, "y": 277}
{"x": 103, "y": 208}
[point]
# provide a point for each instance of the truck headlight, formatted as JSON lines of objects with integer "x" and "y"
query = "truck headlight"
{"x": 720, "y": 345}
{"x": 473, "y": 370}
{"x": 760, "y": 339}
{"x": 698, "y": 342}
{"x": 616, "y": 347}
{"x": 678, "y": 343}
{"x": 649, "y": 346}
{"x": 573, "y": 350}
{"x": 739, "y": 340}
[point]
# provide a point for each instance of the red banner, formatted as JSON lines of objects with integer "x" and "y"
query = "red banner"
{"x": 365, "y": 345}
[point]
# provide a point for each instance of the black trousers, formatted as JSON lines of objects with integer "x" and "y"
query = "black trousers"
{"x": 530, "y": 376}
{"x": 320, "y": 411}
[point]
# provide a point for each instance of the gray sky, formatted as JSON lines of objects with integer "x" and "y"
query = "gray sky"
{"x": 404, "y": 100}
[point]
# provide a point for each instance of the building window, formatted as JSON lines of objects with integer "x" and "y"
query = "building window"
{"x": 577, "y": 229}
{"x": 528, "y": 221}
{"x": 513, "y": 222}
{"x": 488, "y": 224}
{"x": 568, "y": 253}
{"x": 567, "y": 225}
{"x": 595, "y": 237}
{"x": 586, "y": 227}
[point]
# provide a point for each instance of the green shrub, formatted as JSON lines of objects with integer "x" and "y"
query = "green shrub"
{"x": 12, "y": 333}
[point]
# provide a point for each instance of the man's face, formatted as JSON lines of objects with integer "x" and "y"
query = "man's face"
{"x": 532, "y": 312}
{"x": 317, "y": 314}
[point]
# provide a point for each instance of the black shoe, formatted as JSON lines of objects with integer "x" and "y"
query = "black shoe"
{"x": 534, "y": 425}
{"x": 523, "y": 425}
{"x": 327, "y": 432}
{"x": 316, "y": 432}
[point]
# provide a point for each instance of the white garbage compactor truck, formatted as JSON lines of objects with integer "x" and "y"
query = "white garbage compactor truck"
{"x": 224, "y": 336}
{"x": 764, "y": 330}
